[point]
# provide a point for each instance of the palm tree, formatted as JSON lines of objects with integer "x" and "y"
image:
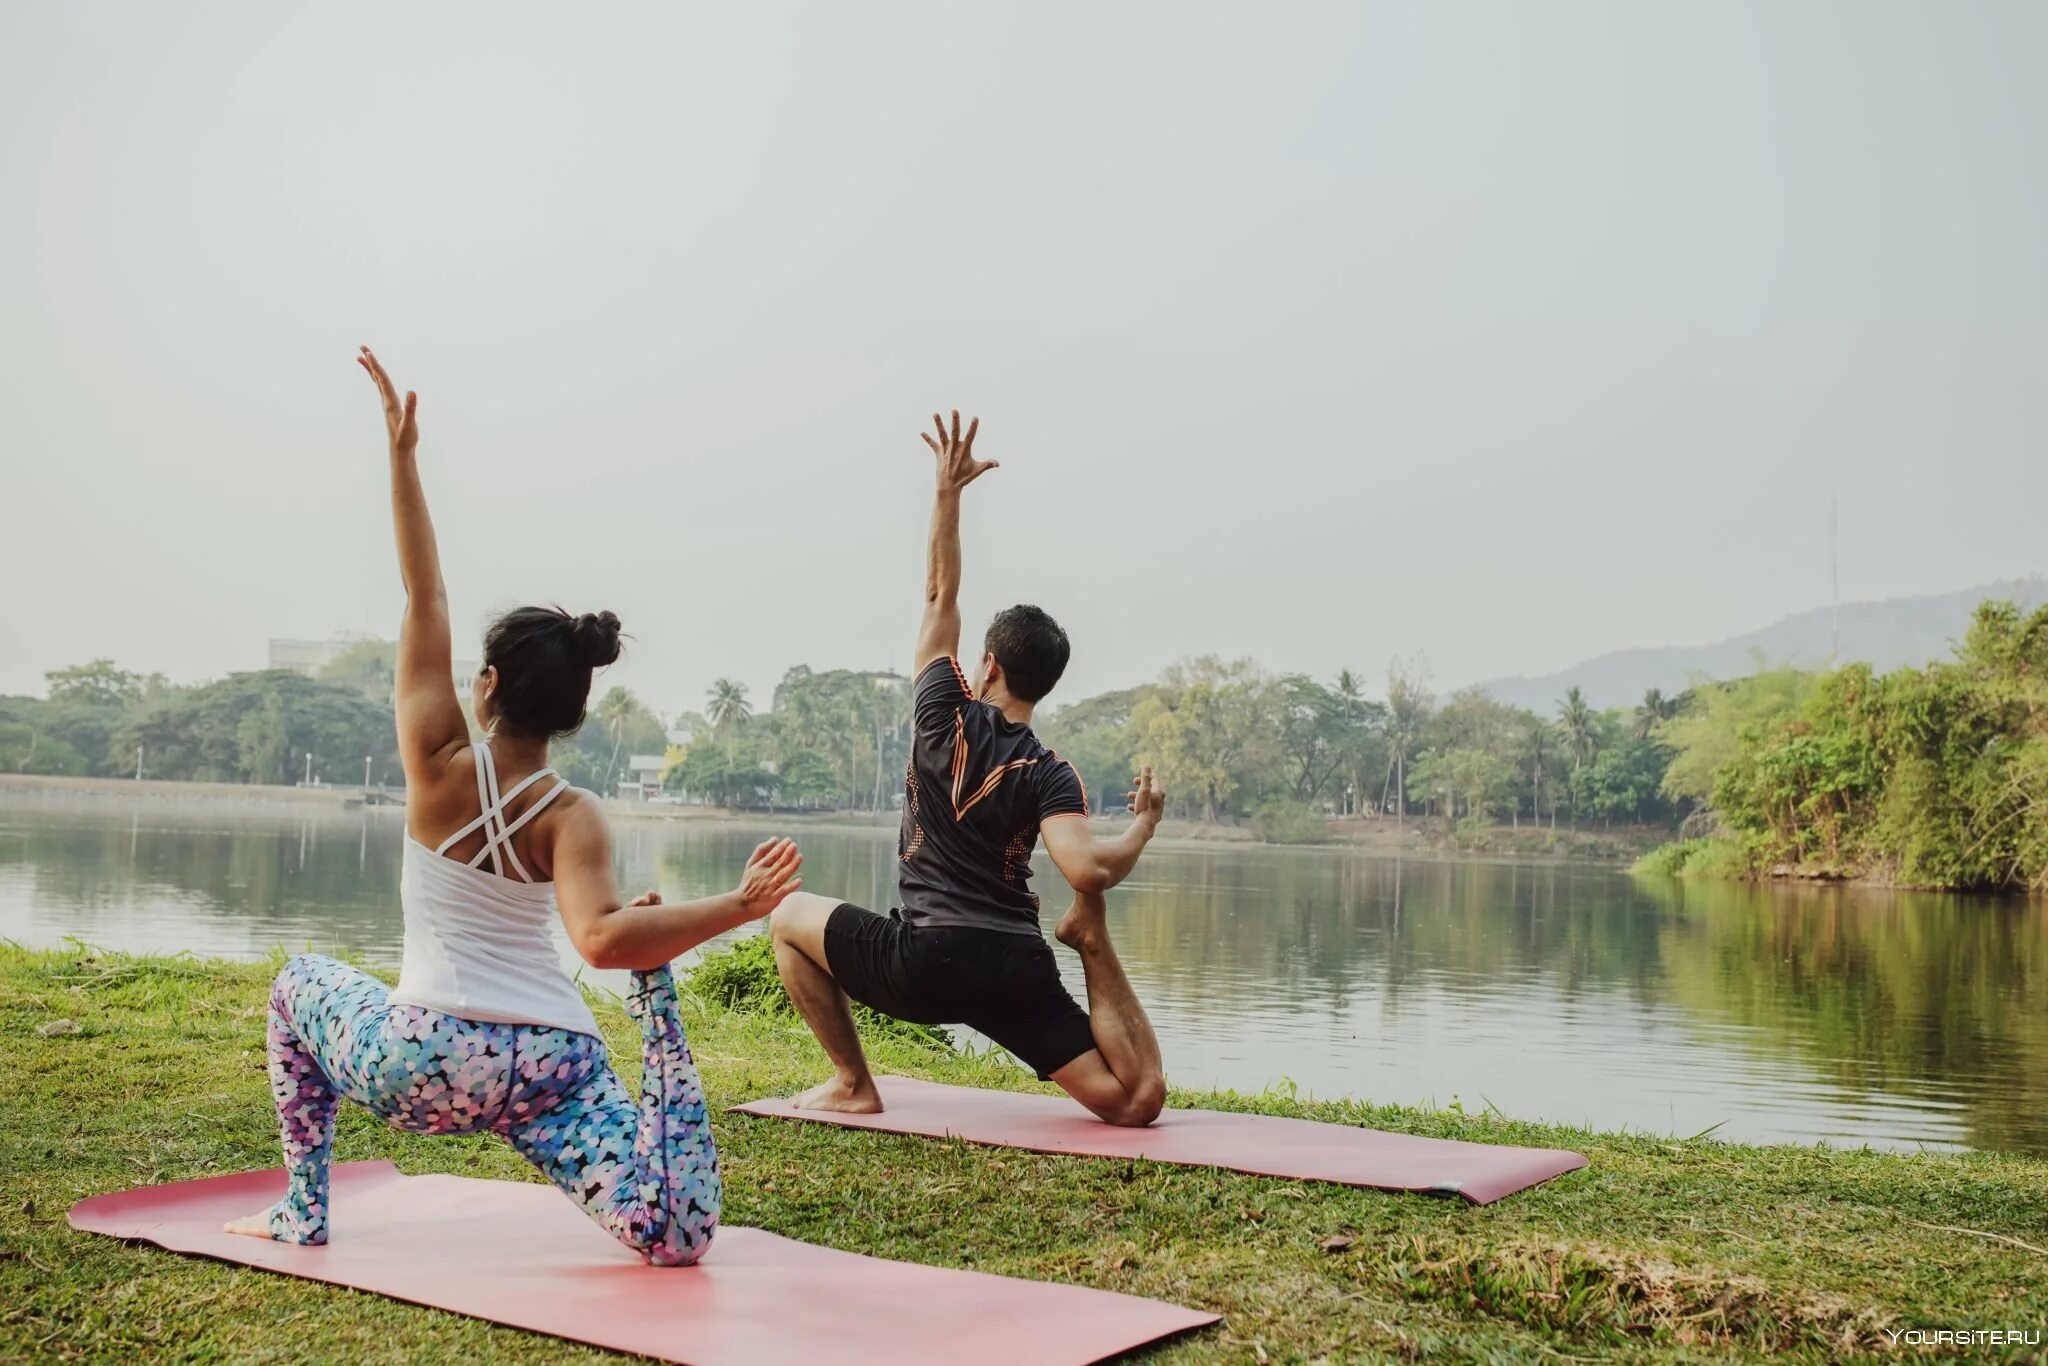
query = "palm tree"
{"x": 1408, "y": 707}
{"x": 886, "y": 707}
{"x": 1536, "y": 750}
{"x": 1351, "y": 712}
{"x": 727, "y": 709}
{"x": 1578, "y": 723}
{"x": 613, "y": 711}
{"x": 1653, "y": 711}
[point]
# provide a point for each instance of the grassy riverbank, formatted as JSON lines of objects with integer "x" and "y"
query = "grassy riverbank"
{"x": 1720, "y": 858}
{"x": 1686, "y": 1248}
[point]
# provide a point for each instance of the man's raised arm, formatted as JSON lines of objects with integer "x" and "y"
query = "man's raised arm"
{"x": 1092, "y": 866}
{"x": 940, "y": 632}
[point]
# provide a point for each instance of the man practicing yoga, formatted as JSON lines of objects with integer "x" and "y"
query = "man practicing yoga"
{"x": 966, "y": 948}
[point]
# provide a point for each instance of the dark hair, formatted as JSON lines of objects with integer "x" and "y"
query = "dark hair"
{"x": 1031, "y": 647}
{"x": 544, "y": 658}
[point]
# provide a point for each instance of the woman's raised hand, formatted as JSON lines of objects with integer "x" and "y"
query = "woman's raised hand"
{"x": 771, "y": 875}
{"x": 400, "y": 421}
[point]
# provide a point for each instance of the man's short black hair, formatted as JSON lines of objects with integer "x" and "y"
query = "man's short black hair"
{"x": 1031, "y": 647}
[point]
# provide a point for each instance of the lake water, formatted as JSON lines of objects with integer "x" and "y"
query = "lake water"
{"x": 1559, "y": 992}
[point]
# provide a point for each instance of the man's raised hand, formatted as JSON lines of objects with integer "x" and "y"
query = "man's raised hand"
{"x": 1147, "y": 798}
{"x": 400, "y": 420}
{"x": 957, "y": 466}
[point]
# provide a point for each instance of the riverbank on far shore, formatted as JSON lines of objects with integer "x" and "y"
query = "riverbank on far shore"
{"x": 1377, "y": 835}
{"x": 1664, "y": 1248}
{"x": 1719, "y": 858}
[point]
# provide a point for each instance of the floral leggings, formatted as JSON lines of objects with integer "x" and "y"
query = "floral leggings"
{"x": 647, "y": 1173}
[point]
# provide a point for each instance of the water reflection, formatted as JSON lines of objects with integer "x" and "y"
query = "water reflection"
{"x": 1566, "y": 993}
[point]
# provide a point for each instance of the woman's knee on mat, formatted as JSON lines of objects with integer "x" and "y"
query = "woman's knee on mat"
{"x": 686, "y": 1246}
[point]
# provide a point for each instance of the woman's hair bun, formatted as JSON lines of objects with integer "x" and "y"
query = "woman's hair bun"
{"x": 597, "y": 638}
{"x": 544, "y": 658}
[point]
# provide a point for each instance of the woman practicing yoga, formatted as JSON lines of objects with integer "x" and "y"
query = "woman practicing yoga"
{"x": 485, "y": 1031}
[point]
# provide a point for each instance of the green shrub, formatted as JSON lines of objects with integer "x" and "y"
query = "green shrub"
{"x": 1289, "y": 822}
{"x": 743, "y": 978}
{"x": 1720, "y": 857}
{"x": 1712, "y": 857}
{"x": 1666, "y": 860}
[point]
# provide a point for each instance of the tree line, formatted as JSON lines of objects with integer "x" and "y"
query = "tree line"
{"x": 1926, "y": 777}
{"x": 1935, "y": 776}
{"x": 268, "y": 727}
{"x": 1234, "y": 743}
{"x": 831, "y": 739}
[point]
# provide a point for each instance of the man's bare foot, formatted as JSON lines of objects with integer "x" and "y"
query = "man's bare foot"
{"x": 1083, "y": 926}
{"x": 249, "y": 1225}
{"x": 836, "y": 1096}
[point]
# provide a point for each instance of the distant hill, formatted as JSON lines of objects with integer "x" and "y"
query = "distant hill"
{"x": 1887, "y": 634}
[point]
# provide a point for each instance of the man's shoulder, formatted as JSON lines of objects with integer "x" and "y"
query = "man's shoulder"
{"x": 942, "y": 673}
{"x": 1020, "y": 739}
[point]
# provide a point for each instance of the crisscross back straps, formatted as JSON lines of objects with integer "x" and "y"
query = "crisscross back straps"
{"x": 498, "y": 834}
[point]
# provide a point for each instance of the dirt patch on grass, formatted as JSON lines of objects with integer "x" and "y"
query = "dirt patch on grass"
{"x": 1597, "y": 1293}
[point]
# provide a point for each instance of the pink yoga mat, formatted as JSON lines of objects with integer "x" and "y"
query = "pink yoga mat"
{"x": 523, "y": 1255}
{"x": 1262, "y": 1145}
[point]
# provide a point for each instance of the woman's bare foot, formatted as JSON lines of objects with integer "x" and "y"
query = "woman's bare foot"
{"x": 836, "y": 1096}
{"x": 249, "y": 1225}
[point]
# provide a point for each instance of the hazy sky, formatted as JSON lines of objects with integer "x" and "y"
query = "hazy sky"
{"x": 1505, "y": 333}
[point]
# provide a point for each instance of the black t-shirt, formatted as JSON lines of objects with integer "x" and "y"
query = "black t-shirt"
{"x": 978, "y": 786}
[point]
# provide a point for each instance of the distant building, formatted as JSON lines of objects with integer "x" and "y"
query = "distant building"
{"x": 643, "y": 777}
{"x": 308, "y": 657}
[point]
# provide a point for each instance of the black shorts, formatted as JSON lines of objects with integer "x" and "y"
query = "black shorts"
{"x": 1004, "y": 985}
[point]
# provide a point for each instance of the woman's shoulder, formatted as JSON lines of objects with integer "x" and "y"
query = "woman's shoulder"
{"x": 576, "y": 827}
{"x": 578, "y": 807}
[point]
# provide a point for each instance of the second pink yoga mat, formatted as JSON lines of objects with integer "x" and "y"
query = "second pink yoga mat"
{"x": 1262, "y": 1145}
{"x": 521, "y": 1254}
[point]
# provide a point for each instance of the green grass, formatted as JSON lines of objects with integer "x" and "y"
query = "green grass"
{"x": 1681, "y": 1249}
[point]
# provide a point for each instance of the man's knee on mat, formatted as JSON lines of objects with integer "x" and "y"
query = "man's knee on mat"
{"x": 1142, "y": 1102}
{"x": 1128, "y": 1105}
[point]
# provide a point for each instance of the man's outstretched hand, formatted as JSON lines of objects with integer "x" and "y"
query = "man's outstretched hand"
{"x": 957, "y": 466}
{"x": 1147, "y": 798}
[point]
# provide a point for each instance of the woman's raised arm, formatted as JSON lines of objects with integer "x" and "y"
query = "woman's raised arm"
{"x": 430, "y": 722}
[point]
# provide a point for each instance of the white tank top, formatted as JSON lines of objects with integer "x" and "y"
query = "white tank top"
{"x": 478, "y": 944}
